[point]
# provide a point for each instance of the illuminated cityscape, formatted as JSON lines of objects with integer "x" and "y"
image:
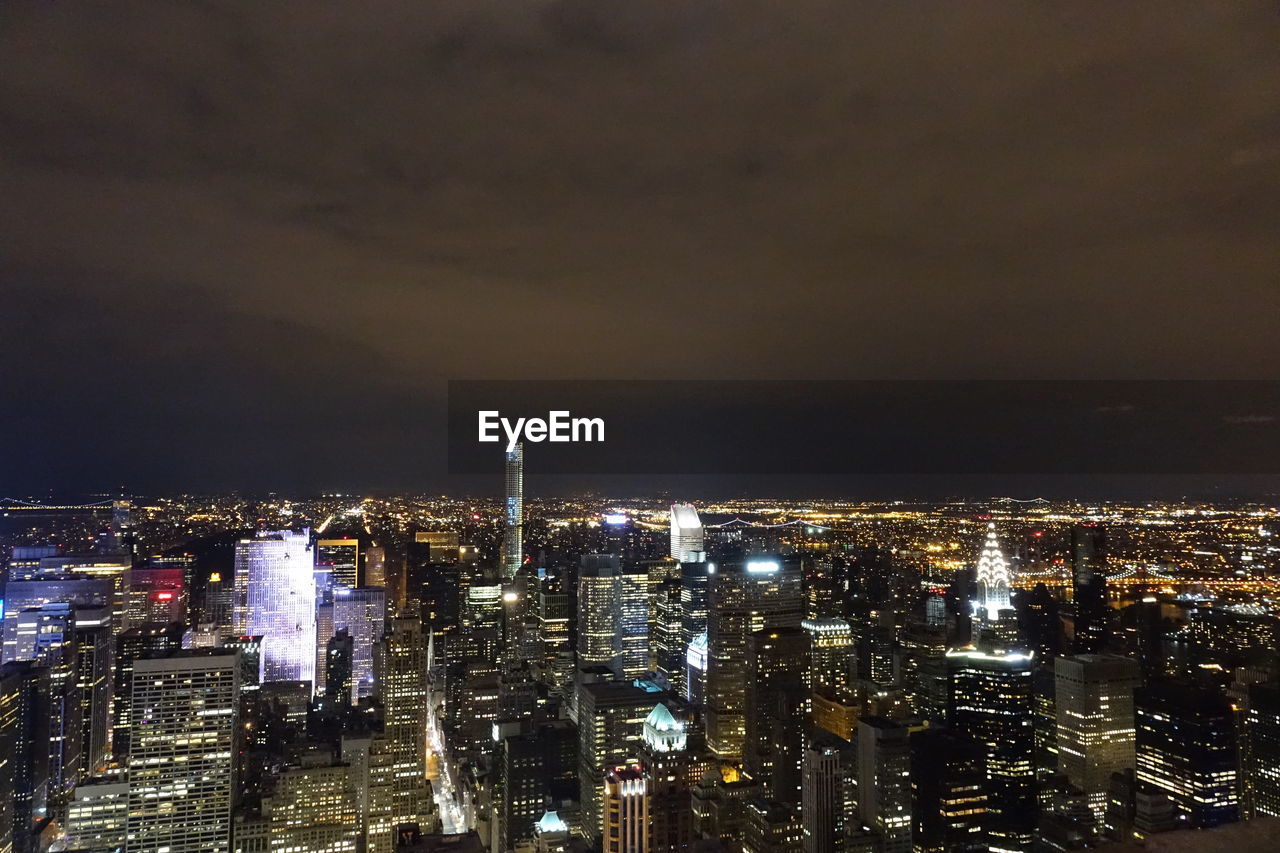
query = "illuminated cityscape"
{"x": 811, "y": 676}
{"x": 639, "y": 426}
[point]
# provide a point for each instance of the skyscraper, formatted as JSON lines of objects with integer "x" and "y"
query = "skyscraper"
{"x": 1262, "y": 755}
{"x": 948, "y": 792}
{"x": 633, "y": 620}
{"x": 1186, "y": 747}
{"x": 832, "y": 655}
{"x": 404, "y": 691}
{"x": 775, "y": 714}
{"x": 513, "y": 530}
{"x": 24, "y": 752}
{"x": 687, "y": 534}
{"x": 611, "y": 716}
{"x": 755, "y": 594}
{"x": 990, "y": 700}
{"x": 626, "y": 811}
{"x": 182, "y": 752}
{"x": 994, "y": 577}
{"x": 529, "y": 765}
{"x": 1095, "y": 721}
{"x": 829, "y": 792}
{"x": 337, "y": 562}
{"x": 135, "y": 644}
{"x": 280, "y": 601}
{"x": 884, "y": 781}
{"x": 1089, "y": 587}
{"x": 598, "y": 610}
{"x": 362, "y": 613}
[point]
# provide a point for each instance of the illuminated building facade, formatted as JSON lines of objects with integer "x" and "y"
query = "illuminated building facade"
{"x": 182, "y": 752}
{"x": 599, "y": 590}
{"x": 1262, "y": 752}
{"x": 884, "y": 781}
{"x": 361, "y": 612}
{"x": 280, "y": 602}
{"x": 337, "y": 563}
{"x": 97, "y": 816}
{"x": 1095, "y": 721}
{"x": 513, "y": 513}
{"x": 687, "y": 536}
{"x": 626, "y": 811}
{"x": 404, "y": 693}
{"x": 990, "y": 700}
{"x": 754, "y": 594}
{"x": 994, "y": 579}
{"x": 611, "y": 717}
{"x": 1187, "y": 748}
{"x": 313, "y": 807}
{"x": 832, "y": 653}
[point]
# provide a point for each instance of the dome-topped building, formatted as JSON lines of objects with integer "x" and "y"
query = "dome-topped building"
{"x": 662, "y": 731}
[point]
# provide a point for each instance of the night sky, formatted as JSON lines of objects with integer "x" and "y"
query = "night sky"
{"x": 243, "y": 245}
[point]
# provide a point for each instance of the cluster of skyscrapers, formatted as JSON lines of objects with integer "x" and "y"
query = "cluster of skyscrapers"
{"x": 620, "y": 685}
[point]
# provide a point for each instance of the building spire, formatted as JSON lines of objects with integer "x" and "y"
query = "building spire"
{"x": 994, "y": 578}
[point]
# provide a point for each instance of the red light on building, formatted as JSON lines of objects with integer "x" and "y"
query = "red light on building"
{"x": 164, "y": 596}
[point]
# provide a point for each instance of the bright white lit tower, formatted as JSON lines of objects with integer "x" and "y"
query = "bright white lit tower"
{"x": 281, "y": 602}
{"x": 687, "y": 541}
{"x": 513, "y": 532}
{"x": 994, "y": 578}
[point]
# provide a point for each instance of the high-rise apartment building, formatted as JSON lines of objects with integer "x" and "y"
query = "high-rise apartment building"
{"x": 513, "y": 516}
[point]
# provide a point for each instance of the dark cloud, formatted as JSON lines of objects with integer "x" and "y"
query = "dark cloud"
{"x": 301, "y": 200}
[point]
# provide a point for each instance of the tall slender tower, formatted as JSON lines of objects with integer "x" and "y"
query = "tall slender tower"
{"x": 513, "y": 534}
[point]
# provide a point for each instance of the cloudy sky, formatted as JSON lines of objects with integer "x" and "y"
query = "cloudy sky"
{"x": 245, "y": 244}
